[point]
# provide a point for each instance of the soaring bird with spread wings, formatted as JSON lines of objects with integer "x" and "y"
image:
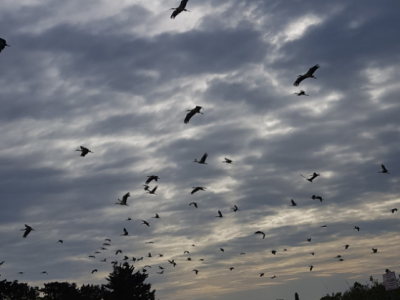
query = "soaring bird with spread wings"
{"x": 179, "y": 9}
{"x": 309, "y": 74}
{"x": 83, "y": 151}
{"x": 202, "y": 161}
{"x": 124, "y": 199}
{"x": 191, "y": 113}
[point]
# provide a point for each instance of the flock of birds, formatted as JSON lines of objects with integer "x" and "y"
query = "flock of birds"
{"x": 124, "y": 202}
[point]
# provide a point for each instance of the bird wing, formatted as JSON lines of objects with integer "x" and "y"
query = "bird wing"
{"x": 203, "y": 159}
{"x": 312, "y": 70}
{"x": 149, "y": 179}
{"x": 294, "y": 203}
{"x": 192, "y": 112}
{"x": 298, "y": 80}
{"x": 27, "y": 231}
{"x": 296, "y": 296}
{"x": 219, "y": 213}
{"x": 195, "y": 190}
{"x": 384, "y": 169}
{"x": 154, "y": 189}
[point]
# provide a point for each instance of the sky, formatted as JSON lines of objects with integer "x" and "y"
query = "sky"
{"x": 118, "y": 78}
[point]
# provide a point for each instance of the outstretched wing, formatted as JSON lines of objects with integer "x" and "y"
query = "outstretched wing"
{"x": 312, "y": 70}
{"x": 191, "y": 113}
{"x": 383, "y": 168}
{"x": 296, "y": 296}
{"x": 298, "y": 80}
{"x": 203, "y": 159}
{"x": 293, "y": 203}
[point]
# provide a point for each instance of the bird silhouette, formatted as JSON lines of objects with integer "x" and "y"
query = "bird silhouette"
{"x": 108, "y": 240}
{"x": 202, "y": 161}
{"x": 156, "y": 217}
{"x": 92, "y": 256}
{"x": 235, "y": 208}
{"x": 149, "y": 255}
{"x": 313, "y": 176}
{"x": 125, "y": 232}
{"x": 227, "y": 161}
{"x": 95, "y": 270}
{"x": 124, "y": 199}
{"x": 160, "y": 272}
{"x": 104, "y": 260}
{"x": 374, "y": 250}
{"x": 27, "y": 230}
{"x": 128, "y": 219}
{"x": 261, "y": 274}
{"x": 393, "y": 210}
{"x": 198, "y": 188}
{"x": 346, "y": 246}
{"x": 296, "y": 296}
{"x": 273, "y": 252}
{"x": 145, "y": 223}
{"x": 3, "y": 44}
{"x": 356, "y": 228}
{"x": 317, "y": 197}
{"x": 60, "y": 241}
{"x": 118, "y": 251}
{"x": 384, "y": 170}
{"x": 153, "y": 191}
{"x": 273, "y": 277}
{"x": 308, "y": 239}
{"x": 324, "y": 226}
{"x": 301, "y": 93}
{"x": 186, "y": 252}
{"x": 231, "y": 268}
{"x": 191, "y": 113}
{"x": 293, "y": 203}
{"x": 177, "y": 11}
{"x": 311, "y": 267}
{"x": 196, "y": 271}
{"x": 44, "y": 272}
{"x": 152, "y": 177}
{"x": 219, "y": 214}
{"x": 312, "y": 253}
{"x": 309, "y": 74}
{"x": 84, "y": 151}
{"x": 194, "y": 203}
{"x": 222, "y": 249}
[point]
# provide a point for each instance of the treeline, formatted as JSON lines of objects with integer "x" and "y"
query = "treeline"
{"x": 123, "y": 284}
{"x": 369, "y": 291}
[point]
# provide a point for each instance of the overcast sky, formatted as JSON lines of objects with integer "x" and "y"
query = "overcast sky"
{"x": 118, "y": 76}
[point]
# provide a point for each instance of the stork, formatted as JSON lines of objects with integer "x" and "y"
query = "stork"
{"x": 84, "y": 151}
{"x": 313, "y": 176}
{"x": 191, "y": 113}
{"x": 228, "y": 161}
{"x": 384, "y": 170}
{"x": 293, "y": 203}
{"x": 311, "y": 267}
{"x": 197, "y": 188}
{"x": 179, "y": 9}
{"x": 302, "y": 93}
{"x": 219, "y": 214}
{"x": 194, "y": 203}
{"x": 124, "y": 199}
{"x": 196, "y": 271}
{"x": 153, "y": 191}
{"x": 309, "y": 74}
{"x": 202, "y": 161}
{"x": 152, "y": 177}
{"x": 3, "y": 43}
{"x": 27, "y": 230}
{"x": 125, "y": 232}
{"x": 260, "y": 232}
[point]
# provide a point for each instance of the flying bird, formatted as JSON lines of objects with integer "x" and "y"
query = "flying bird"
{"x": 156, "y": 217}
{"x": 153, "y": 191}
{"x": 219, "y": 214}
{"x": 197, "y": 188}
{"x": 108, "y": 240}
{"x": 160, "y": 272}
{"x": 3, "y": 44}
{"x": 311, "y": 267}
{"x": 196, "y": 271}
{"x": 273, "y": 277}
{"x": 104, "y": 260}
{"x": 179, "y": 9}
{"x": 128, "y": 219}
{"x": 222, "y": 249}
{"x": 118, "y": 251}
{"x": 106, "y": 244}
{"x": 301, "y": 93}
{"x": 152, "y": 177}
{"x": 145, "y": 223}
{"x": 309, "y": 74}
{"x": 261, "y": 274}
{"x": 231, "y": 268}
{"x": 346, "y": 246}
{"x": 60, "y": 241}
{"x": 308, "y": 239}
{"x": 393, "y": 210}
{"x": 317, "y": 198}
{"x": 313, "y": 176}
{"x": 273, "y": 252}
{"x": 125, "y": 232}
{"x": 194, "y": 203}
{"x": 293, "y": 203}
{"x": 126, "y": 257}
{"x": 44, "y": 272}
{"x": 186, "y": 252}
{"x": 124, "y": 199}
{"x": 356, "y": 227}
{"x": 146, "y": 187}
{"x": 339, "y": 256}
{"x": 312, "y": 253}
{"x": 95, "y": 270}
{"x": 191, "y": 113}
{"x": 202, "y": 161}
{"x": 260, "y": 232}
{"x": 235, "y": 208}
{"x": 27, "y": 230}
{"x": 324, "y": 226}
{"x": 384, "y": 170}
{"x": 228, "y": 161}
{"x": 374, "y": 250}
{"x": 21, "y": 273}
{"x": 84, "y": 151}
{"x": 188, "y": 259}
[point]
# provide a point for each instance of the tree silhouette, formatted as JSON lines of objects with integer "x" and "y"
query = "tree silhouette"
{"x": 124, "y": 284}
{"x": 12, "y": 290}
{"x": 91, "y": 292}
{"x": 60, "y": 291}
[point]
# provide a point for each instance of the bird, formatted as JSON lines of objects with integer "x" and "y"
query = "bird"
{"x": 96, "y": 252}
{"x": 126, "y": 257}
{"x": 346, "y": 246}
{"x": 374, "y": 250}
{"x": 356, "y": 227}
{"x": 311, "y": 267}
{"x": 104, "y": 260}
{"x": 146, "y": 187}
{"x": 227, "y": 161}
{"x": 324, "y": 226}
{"x": 108, "y": 240}
{"x": 341, "y": 259}
{"x": 242, "y": 253}
{"x": 235, "y": 208}
{"x": 149, "y": 242}
{"x": 293, "y": 203}
{"x": 188, "y": 258}
{"x": 153, "y": 191}
{"x": 160, "y": 255}
{"x": 301, "y": 93}
{"x": 106, "y": 244}
{"x": 308, "y": 239}
{"x": 27, "y": 230}
{"x": 156, "y": 216}
{"x": 84, "y": 151}
{"x": 261, "y": 274}
{"x": 393, "y": 210}
{"x": 160, "y": 272}
{"x": 152, "y": 177}
{"x": 317, "y": 197}
{"x": 313, "y": 176}
{"x": 162, "y": 268}
{"x": 186, "y": 252}
{"x": 44, "y": 272}
{"x": 222, "y": 249}
{"x": 95, "y": 270}
{"x": 202, "y": 161}
{"x": 145, "y": 223}
{"x": 273, "y": 252}
{"x": 231, "y": 268}
{"x": 309, "y": 74}
{"x": 3, "y": 44}
{"x": 339, "y": 256}
{"x": 1, "y": 263}
{"x": 149, "y": 255}
{"x": 384, "y": 170}
{"x": 171, "y": 261}
{"x": 219, "y": 214}
{"x": 21, "y": 273}
{"x": 118, "y": 251}
{"x": 128, "y": 219}
{"x": 102, "y": 248}
{"x": 179, "y": 9}
{"x": 194, "y": 203}
{"x": 312, "y": 253}
{"x": 125, "y": 232}
{"x": 273, "y": 277}
{"x": 124, "y": 199}
{"x": 60, "y": 241}
{"x": 92, "y": 256}
{"x": 196, "y": 271}
{"x": 192, "y": 112}
{"x": 197, "y": 188}
{"x": 114, "y": 262}
{"x": 260, "y": 232}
